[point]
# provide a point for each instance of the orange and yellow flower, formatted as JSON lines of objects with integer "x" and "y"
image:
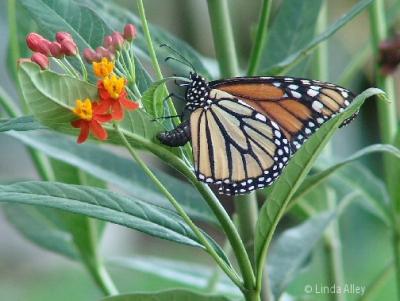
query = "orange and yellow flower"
{"x": 91, "y": 116}
{"x": 113, "y": 96}
{"x": 103, "y": 68}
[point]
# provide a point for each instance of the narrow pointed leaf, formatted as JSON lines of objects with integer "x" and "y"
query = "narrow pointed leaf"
{"x": 292, "y": 248}
{"x": 293, "y": 175}
{"x": 175, "y": 295}
{"x": 119, "y": 171}
{"x": 104, "y": 205}
{"x": 300, "y": 54}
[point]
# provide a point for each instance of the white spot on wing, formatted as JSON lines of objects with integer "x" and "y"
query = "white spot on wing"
{"x": 312, "y": 92}
{"x": 261, "y": 117}
{"x": 317, "y": 106}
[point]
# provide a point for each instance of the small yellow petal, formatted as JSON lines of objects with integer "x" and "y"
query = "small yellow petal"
{"x": 114, "y": 85}
{"x": 83, "y": 109}
{"x": 103, "y": 68}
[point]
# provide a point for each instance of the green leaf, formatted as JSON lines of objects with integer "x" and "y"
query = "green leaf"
{"x": 119, "y": 171}
{"x": 375, "y": 197}
{"x": 284, "y": 188}
{"x": 153, "y": 97}
{"x": 185, "y": 273}
{"x": 311, "y": 181}
{"x": 292, "y": 248}
{"x": 296, "y": 57}
{"x": 25, "y": 123}
{"x": 118, "y": 16}
{"x": 175, "y": 295}
{"x": 52, "y": 96}
{"x": 292, "y": 28}
{"x": 103, "y": 205}
{"x": 41, "y": 226}
{"x": 87, "y": 29}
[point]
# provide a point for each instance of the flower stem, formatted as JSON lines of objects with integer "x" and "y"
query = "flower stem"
{"x": 223, "y": 37}
{"x": 228, "y": 270}
{"x": 260, "y": 39}
{"x": 153, "y": 56}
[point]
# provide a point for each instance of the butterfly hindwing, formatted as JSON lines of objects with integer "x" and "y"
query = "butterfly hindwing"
{"x": 235, "y": 146}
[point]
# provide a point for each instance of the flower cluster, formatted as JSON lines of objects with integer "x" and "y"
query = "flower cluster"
{"x": 111, "y": 44}
{"x": 112, "y": 92}
{"x": 64, "y": 45}
{"x": 113, "y": 99}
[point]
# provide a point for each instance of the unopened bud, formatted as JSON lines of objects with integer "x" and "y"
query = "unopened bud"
{"x": 108, "y": 41}
{"x": 90, "y": 55}
{"x": 40, "y": 59}
{"x": 117, "y": 40}
{"x": 62, "y": 35}
{"x": 33, "y": 40}
{"x": 69, "y": 47}
{"x": 129, "y": 32}
{"x": 44, "y": 47}
{"x": 55, "y": 50}
{"x": 103, "y": 52}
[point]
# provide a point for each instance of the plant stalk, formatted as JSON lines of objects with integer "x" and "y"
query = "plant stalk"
{"x": 227, "y": 59}
{"x": 388, "y": 126}
{"x": 333, "y": 248}
{"x": 260, "y": 39}
{"x": 224, "y": 45}
{"x": 228, "y": 270}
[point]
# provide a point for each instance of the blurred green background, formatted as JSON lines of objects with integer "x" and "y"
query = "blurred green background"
{"x": 30, "y": 273}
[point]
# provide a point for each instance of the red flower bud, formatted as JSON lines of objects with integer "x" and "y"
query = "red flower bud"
{"x": 103, "y": 52}
{"x": 117, "y": 40}
{"x": 129, "y": 32}
{"x": 90, "y": 55}
{"x": 69, "y": 47}
{"x": 43, "y": 47}
{"x": 61, "y": 36}
{"x": 32, "y": 40}
{"x": 40, "y": 59}
{"x": 108, "y": 41}
{"x": 55, "y": 50}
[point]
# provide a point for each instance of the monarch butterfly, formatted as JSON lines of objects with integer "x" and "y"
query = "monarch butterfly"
{"x": 244, "y": 130}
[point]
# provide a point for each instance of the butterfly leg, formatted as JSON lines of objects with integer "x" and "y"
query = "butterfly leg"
{"x": 177, "y": 137}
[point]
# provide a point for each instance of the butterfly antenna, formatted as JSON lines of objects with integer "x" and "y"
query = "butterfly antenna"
{"x": 187, "y": 62}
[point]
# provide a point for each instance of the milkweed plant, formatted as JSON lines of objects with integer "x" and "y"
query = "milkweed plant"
{"x": 93, "y": 77}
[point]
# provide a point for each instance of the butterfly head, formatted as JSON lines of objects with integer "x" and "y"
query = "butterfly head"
{"x": 197, "y": 92}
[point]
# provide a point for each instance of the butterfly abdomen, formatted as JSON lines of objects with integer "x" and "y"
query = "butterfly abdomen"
{"x": 177, "y": 137}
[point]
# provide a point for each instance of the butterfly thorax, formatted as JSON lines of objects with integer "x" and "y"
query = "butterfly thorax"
{"x": 197, "y": 93}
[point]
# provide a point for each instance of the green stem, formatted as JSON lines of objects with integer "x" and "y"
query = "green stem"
{"x": 187, "y": 150}
{"x": 388, "y": 125}
{"x": 260, "y": 39}
{"x": 228, "y": 271}
{"x": 246, "y": 209}
{"x": 226, "y": 55}
{"x": 13, "y": 36}
{"x": 8, "y": 104}
{"x": 94, "y": 263}
{"x": 223, "y": 37}
{"x": 83, "y": 67}
{"x": 334, "y": 250}
{"x": 212, "y": 201}
{"x": 153, "y": 56}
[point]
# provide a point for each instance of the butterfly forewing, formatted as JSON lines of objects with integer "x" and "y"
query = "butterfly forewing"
{"x": 235, "y": 146}
{"x": 298, "y": 106}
